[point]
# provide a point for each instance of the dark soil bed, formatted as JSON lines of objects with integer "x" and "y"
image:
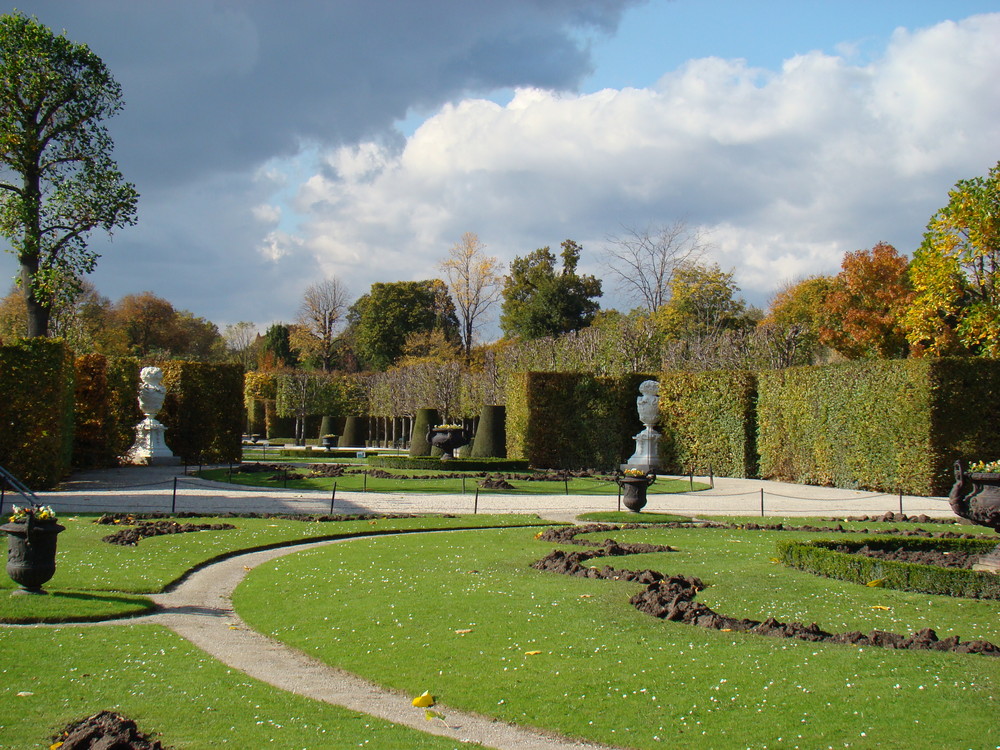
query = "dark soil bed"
{"x": 955, "y": 559}
{"x": 106, "y": 730}
{"x": 673, "y": 597}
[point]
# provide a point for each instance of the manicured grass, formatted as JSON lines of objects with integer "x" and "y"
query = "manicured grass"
{"x": 358, "y": 483}
{"x": 625, "y": 516}
{"x": 97, "y": 580}
{"x": 187, "y": 700}
{"x": 458, "y": 614}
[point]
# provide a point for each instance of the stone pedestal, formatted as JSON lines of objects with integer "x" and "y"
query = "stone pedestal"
{"x": 150, "y": 448}
{"x": 647, "y": 452}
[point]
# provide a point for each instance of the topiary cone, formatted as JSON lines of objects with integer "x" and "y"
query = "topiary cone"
{"x": 355, "y": 433}
{"x": 491, "y": 435}
{"x": 425, "y": 419}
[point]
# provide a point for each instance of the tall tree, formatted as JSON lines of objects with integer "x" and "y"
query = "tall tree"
{"x": 539, "y": 300}
{"x": 864, "y": 305}
{"x": 702, "y": 304}
{"x": 58, "y": 181}
{"x": 956, "y": 273}
{"x": 381, "y": 320}
{"x": 320, "y": 314}
{"x": 644, "y": 262}
{"x": 474, "y": 280}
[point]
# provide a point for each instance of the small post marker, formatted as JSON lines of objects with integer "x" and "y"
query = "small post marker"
{"x": 333, "y": 497}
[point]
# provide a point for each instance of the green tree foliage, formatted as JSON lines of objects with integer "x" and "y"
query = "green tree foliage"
{"x": 540, "y": 301}
{"x": 58, "y": 181}
{"x": 702, "y": 304}
{"x": 865, "y": 303}
{"x": 956, "y": 306}
{"x": 381, "y": 320}
{"x": 276, "y": 349}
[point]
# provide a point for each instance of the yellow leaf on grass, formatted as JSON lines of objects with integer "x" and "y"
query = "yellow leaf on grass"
{"x": 463, "y": 631}
{"x": 879, "y": 606}
{"x": 425, "y": 700}
{"x": 876, "y": 584}
{"x": 532, "y": 653}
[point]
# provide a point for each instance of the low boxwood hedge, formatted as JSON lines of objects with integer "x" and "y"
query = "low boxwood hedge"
{"x": 455, "y": 464}
{"x": 822, "y": 558}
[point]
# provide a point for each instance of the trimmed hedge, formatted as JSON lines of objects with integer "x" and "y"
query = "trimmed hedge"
{"x": 821, "y": 558}
{"x": 107, "y": 410}
{"x": 204, "y": 411}
{"x": 887, "y": 425}
{"x": 708, "y": 421}
{"x": 36, "y": 410}
{"x": 572, "y": 420}
{"x": 455, "y": 464}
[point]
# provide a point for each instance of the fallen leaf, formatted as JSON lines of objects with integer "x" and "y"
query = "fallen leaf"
{"x": 876, "y": 584}
{"x": 24, "y": 694}
{"x": 879, "y": 606}
{"x": 463, "y": 631}
{"x": 586, "y": 596}
{"x": 425, "y": 700}
{"x": 532, "y": 653}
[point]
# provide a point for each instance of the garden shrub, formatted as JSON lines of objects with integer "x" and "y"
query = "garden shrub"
{"x": 821, "y": 558}
{"x": 204, "y": 411}
{"x": 491, "y": 433}
{"x": 425, "y": 419}
{"x": 36, "y": 410}
{"x": 708, "y": 421}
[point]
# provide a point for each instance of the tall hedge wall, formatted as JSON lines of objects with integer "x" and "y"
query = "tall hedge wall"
{"x": 107, "y": 409}
{"x": 708, "y": 421}
{"x": 571, "y": 420}
{"x": 36, "y": 410}
{"x": 887, "y": 425}
{"x": 204, "y": 411}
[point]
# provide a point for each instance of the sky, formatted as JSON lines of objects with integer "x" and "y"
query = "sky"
{"x": 275, "y": 144}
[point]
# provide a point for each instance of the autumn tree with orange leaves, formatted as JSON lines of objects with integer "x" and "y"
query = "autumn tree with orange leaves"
{"x": 863, "y": 308}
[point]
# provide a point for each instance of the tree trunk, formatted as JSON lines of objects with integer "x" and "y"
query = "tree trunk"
{"x": 38, "y": 313}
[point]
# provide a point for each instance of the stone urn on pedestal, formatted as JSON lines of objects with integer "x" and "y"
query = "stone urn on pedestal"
{"x": 150, "y": 447}
{"x": 647, "y": 442}
{"x": 634, "y": 484}
{"x": 31, "y": 547}
{"x": 976, "y": 496}
{"x": 448, "y": 438}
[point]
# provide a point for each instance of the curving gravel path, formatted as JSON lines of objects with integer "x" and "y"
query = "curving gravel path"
{"x": 200, "y": 610}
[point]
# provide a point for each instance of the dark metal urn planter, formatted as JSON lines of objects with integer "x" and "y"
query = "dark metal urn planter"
{"x": 448, "y": 439}
{"x": 31, "y": 553}
{"x": 976, "y": 496}
{"x": 634, "y": 491}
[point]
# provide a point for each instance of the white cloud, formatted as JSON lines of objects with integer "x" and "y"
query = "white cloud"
{"x": 786, "y": 169}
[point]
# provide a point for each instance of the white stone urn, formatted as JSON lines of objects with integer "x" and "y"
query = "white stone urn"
{"x": 150, "y": 447}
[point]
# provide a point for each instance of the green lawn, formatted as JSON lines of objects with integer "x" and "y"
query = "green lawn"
{"x": 394, "y": 610}
{"x": 461, "y": 615}
{"x": 97, "y": 580}
{"x": 51, "y": 677}
{"x": 425, "y": 481}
